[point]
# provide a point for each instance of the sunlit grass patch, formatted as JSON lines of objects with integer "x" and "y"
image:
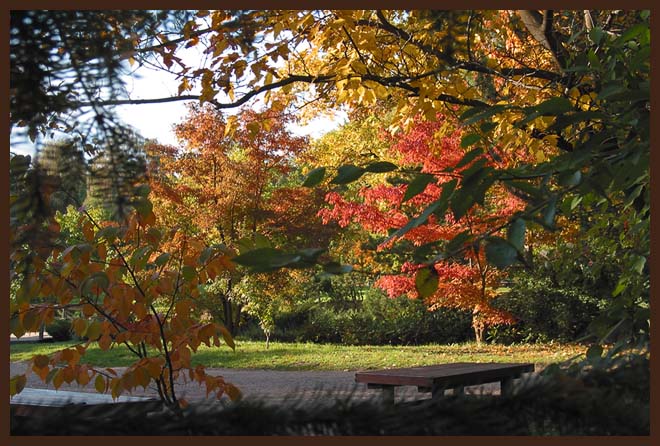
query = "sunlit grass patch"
{"x": 309, "y": 356}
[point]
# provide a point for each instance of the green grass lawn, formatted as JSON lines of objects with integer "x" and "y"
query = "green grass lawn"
{"x": 298, "y": 356}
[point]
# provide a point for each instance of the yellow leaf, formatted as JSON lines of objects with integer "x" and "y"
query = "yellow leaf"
{"x": 17, "y": 384}
{"x": 79, "y": 326}
{"x": 93, "y": 331}
{"x": 58, "y": 379}
{"x": 99, "y": 384}
{"x": 227, "y": 336}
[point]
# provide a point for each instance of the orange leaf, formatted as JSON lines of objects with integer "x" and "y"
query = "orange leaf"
{"x": 154, "y": 369}
{"x": 104, "y": 342}
{"x": 83, "y": 376}
{"x": 40, "y": 361}
{"x": 88, "y": 310}
{"x": 102, "y": 252}
{"x": 69, "y": 374}
{"x": 88, "y": 231}
{"x": 233, "y": 392}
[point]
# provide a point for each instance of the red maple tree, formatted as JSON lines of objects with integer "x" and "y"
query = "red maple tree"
{"x": 466, "y": 281}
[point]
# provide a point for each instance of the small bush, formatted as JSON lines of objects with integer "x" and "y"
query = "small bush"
{"x": 60, "y": 330}
{"x": 376, "y": 320}
{"x": 544, "y": 311}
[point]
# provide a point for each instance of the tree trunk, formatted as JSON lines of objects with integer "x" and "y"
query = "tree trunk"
{"x": 228, "y": 315}
{"x": 478, "y": 326}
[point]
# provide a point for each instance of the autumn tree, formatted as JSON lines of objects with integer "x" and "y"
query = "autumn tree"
{"x": 465, "y": 279}
{"x": 571, "y": 86}
{"x": 220, "y": 185}
{"x": 134, "y": 286}
{"x": 573, "y": 81}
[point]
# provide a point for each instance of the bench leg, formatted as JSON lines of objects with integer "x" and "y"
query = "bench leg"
{"x": 388, "y": 395}
{"x": 506, "y": 385}
{"x": 459, "y": 390}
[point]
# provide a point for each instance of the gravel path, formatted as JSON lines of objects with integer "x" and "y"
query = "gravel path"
{"x": 268, "y": 385}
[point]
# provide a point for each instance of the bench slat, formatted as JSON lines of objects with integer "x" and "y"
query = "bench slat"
{"x": 445, "y": 375}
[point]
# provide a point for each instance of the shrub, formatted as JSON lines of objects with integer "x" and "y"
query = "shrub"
{"x": 376, "y": 320}
{"x": 60, "y": 330}
{"x": 545, "y": 312}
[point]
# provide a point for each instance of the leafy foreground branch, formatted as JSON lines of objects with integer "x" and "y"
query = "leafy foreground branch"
{"x": 599, "y": 398}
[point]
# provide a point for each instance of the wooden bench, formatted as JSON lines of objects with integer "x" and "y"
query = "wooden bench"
{"x": 437, "y": 378}
{"x": 38, "y": 402}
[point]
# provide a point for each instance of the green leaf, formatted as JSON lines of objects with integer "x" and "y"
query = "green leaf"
{"x": 477, "y": 114}
{"x": 311, "y": 254}
{"x": 470, "y": 139}
{"x": 188, "y": 273}
{"x": 638, "y": 264}
{"x": 142, "y": 190}
{"x": 457, "y": 242}
{"x": 500, "y": 253}
{"x": 15, "y": 326}
{"x": 99, "y": 278}
{"x": 594, "y": 353}
{"x": 417, "y": 186}
{"x": 516, "y": 234}
{"x": 347, "y": 174}
{"x": 476, "y": 181}
{"x": 526, "y": 187}
{"x": 282, "y": 260}
{"x": 472, "y": 154}
{"x": 550, "y": 212}
{"x": 266, "y": 259}
{"x": 487, "y": 126}
{"x": 620, "y": 287}
{"x": 422, "y": 253}
{"x": 426, "y": 281}
{"x": 553, "y": 106}
{"x": 631, "y": 33}
{"x": 570, "y": 179}
{"x": 261, "y": 241}
{"x": 143, "y": 206}
{"x": 93, "y": 331}
{"x": 140, "y": 257}
{"x": 51, "y": 375}
{"x": 596, "y": 34}
{"x": 314, "y": 177}
{"x": 108, "y": 233}
{"x": 610, "y": 89}
{"x": 203, "y": 257}
{"x": 337, "y": 268}
{"x": 381, "y": 167}
{"x": 162, "y": 259}
{"x": 436, "y": 206}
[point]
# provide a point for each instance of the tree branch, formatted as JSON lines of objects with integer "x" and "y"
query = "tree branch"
{"x": 540, "y": 27}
